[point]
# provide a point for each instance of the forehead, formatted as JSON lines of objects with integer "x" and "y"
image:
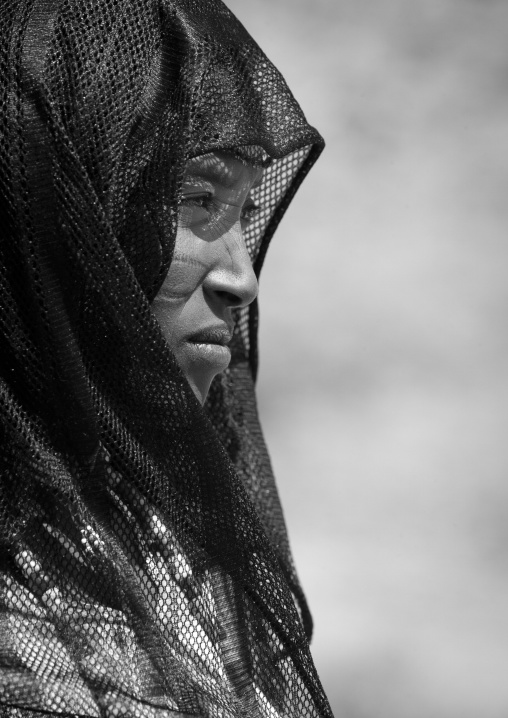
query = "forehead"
{"x": 223, "y": 169}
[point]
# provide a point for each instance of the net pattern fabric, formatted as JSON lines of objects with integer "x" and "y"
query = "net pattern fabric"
{"x": 145, "y": 568}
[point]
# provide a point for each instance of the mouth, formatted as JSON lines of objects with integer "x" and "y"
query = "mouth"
{"x": 209, "y": 347}
{"x": 220, "y": 336}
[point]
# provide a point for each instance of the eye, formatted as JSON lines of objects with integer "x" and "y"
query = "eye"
{"x": 249, "y": 212}
{"x": 197, "y": 199}
{"x": 196, "y": 207}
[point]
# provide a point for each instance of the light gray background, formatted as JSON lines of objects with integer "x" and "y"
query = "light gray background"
{"x": 384, "y": 383}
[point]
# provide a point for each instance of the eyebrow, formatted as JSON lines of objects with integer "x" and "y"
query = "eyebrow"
{"x": 217, "y": 171}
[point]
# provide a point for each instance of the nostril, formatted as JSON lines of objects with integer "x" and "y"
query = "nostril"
{"x": 248, "y": 290}
{"x": 231, "y": 299}
{"x": 244, "y": 295}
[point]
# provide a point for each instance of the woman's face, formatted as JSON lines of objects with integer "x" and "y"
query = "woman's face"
{"x": 211, "y": 272}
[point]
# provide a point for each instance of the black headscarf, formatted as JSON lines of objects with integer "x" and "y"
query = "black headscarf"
{"x": 144, "y": 563}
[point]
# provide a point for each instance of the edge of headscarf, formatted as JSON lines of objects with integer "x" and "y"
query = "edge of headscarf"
{"x": 317, "y": 144}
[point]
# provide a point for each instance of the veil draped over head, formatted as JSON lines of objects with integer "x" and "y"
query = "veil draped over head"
{"x": 144, "y": 563}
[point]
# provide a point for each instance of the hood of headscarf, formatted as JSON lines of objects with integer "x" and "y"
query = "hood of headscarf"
{"x": 145, "y": 566}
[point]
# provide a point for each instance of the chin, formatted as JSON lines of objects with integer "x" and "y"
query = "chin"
{"x": 200, "y": 386}
{"x": 201, "y": 362}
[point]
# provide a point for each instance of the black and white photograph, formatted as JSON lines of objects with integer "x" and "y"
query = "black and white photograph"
{"x": 253, "y": 359}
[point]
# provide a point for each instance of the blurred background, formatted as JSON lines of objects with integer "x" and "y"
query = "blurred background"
{"x": 384, "y": 345}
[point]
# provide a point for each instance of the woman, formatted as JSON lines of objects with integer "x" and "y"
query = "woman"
{"x": 149, "y": 150}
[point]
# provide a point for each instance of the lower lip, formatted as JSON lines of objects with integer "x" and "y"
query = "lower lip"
{"x": 213, "y": 354}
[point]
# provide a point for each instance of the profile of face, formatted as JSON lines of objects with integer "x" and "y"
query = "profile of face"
{"x": 211, "y": 271}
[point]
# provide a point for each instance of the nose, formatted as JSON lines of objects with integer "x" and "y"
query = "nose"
{"x": 232, "y": 279}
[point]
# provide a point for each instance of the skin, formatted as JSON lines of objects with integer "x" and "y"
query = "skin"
{"x": 211, "y": 272}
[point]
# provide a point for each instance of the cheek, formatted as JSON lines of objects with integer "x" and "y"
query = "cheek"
{"x": 181, "y": 282}
{"x": 167, "y": 312}
{"x": 175, "y": 305}
{"x": 187, "y": 270}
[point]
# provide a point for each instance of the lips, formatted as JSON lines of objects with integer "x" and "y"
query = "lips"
{"x": 220, "y": 335}
{"x": 208, "y": 348}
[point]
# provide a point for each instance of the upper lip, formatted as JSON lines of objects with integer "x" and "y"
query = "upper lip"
{"x": 219, "y": 334}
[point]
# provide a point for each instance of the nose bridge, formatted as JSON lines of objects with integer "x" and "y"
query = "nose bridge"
{"x": 234, "y": 273}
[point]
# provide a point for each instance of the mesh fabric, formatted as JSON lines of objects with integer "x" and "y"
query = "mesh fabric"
{"x": 145, "y": 568}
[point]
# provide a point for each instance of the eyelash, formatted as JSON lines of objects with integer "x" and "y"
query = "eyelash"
{"x": 207, "y": 202}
